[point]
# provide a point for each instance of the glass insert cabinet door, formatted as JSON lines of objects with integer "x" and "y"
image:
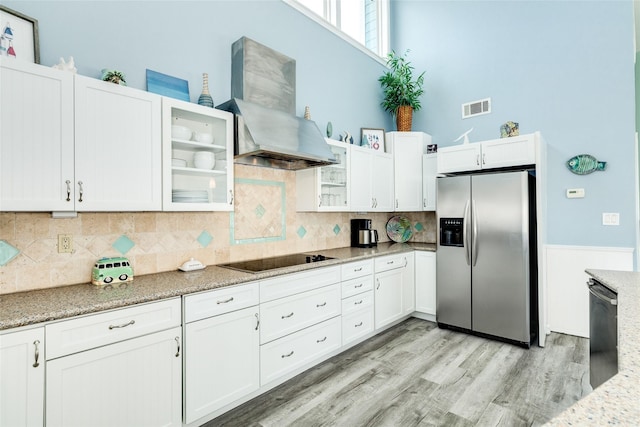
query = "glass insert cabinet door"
{"x": 333, "y": 182}
{"x": 198, "y": 157}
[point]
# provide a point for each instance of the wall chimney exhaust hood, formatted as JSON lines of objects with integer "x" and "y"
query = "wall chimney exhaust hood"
{"x": 273, "y": 138}
{"x": 267, "y": 131}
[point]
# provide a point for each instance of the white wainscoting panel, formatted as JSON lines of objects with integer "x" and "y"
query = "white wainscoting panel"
{"x": 567, "y": 293}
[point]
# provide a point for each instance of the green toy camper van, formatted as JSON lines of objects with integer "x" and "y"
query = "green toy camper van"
{"x": 111, "y": 270}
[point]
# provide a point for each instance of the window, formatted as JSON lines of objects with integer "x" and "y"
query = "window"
{"x": 364, "y": 23}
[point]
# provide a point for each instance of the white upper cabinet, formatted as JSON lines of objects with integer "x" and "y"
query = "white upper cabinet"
{"x": 36, "y": 138}
{"x": 408, "y": 149}
{"x": 191, "y": 131}
{"x": 72, "y": 143}
{"x": 496, "y": 153}
{"x": 429, "y": 175}
{"x": 371, "y": 180}
{"x": 118, "y": 150}
{"x": 325, "y": 189}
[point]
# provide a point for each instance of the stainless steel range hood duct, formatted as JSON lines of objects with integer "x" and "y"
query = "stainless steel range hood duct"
{"x": 273, "y": 138}
{"x": 267, "y": 132}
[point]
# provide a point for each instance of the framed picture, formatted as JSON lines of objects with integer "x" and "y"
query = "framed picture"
{"x": 19, "y": 36}
{"x": 372, "y": 138}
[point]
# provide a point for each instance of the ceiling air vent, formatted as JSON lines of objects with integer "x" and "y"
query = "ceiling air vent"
{"x": 476, "y": 108}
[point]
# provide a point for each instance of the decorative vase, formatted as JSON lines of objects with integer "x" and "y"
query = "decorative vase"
{"x": 404, "y": 116}
{"x": 205, "y": 98}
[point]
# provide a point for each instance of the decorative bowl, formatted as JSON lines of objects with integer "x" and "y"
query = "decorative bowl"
{"x": 181, "y": 132}
{"x": 203, "y": 137}
{"x": 204, "y": 160}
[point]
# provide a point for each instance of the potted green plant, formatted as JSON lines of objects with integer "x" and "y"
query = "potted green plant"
{"x": 401, "y": 91}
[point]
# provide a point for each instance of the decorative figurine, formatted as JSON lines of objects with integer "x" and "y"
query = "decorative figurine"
{"x": 66, "y": 66}
{"x": 584, "y": 164}
{"x": 307, "y": 113}
{"x": 509, "y": 129}
{"x": 329, "y": 130}
{"x": 113, "y": 76}
{"x": 346, "y": 137}
{"x": 111, "y": 270}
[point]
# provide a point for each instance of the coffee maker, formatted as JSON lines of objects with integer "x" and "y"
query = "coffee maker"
{"x": 362, "y": 235}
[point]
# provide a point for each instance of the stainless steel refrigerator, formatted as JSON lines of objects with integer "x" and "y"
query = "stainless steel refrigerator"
{"x": 486, "y": 260}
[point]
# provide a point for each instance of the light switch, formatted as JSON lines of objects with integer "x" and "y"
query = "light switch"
{"x": 575, "y": 193}
{"x": 611, "y": 218}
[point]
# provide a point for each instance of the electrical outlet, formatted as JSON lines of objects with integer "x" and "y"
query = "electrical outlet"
{"x": 65, "y": 243}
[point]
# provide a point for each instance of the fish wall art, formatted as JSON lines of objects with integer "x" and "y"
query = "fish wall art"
{"x": 584, "y": 164}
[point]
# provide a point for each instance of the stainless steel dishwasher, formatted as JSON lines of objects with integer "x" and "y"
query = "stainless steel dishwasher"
{"x": 603, "y": 333}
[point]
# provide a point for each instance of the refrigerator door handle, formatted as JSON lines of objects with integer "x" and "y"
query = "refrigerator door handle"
{"x": 474, "y": 233}
{"x": 465, "y": 218}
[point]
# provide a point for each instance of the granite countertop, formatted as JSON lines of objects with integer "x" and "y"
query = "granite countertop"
{"x": 33, "y": 307}
{"x": 617, "y": 401}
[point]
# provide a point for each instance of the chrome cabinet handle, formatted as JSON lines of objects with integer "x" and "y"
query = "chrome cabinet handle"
{"x": 178, "y": 344}
{"x": 321, "y": 305}
{"x": 81, "y": 190}
{"x": 231, "y": 194}
{"x": 483, "y": 159}
{"x": 359, "y": 286}
{"x": 357, "y": 269}
{"x": 257, "y": 321}
{"x": 477, "y": 159}
{"x": 390, "y": 262}
{"x": 396, "y": 203}
{"x": 287, "y": 355}
{"x": 287, "y": 315}
{"x": 122, "y": 326}
{"x": 68, "y": 190}
{"x": 322, "y": 340}
{"x": 357, "y": 302}
{"x": 36, "y": 344}
{"x": 319, "y": 201}
{"x": 405, "y": 262}
{"x": 225, "y": 301}
{"x": 357, "y": 325}
{"x": 378, "y": 280}
{"x": 424, "y": 203}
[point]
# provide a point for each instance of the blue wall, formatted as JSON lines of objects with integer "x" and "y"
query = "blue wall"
{"x": 186, "y": 38}
{"x": 564, "y": 68}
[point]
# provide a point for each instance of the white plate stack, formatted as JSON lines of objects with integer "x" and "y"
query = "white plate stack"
{"x": 190, "y": 196}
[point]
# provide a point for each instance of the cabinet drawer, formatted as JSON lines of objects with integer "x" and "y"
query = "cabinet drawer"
{"x": 357, "y": 286}
{"x": 357, "y": 324}
{"x": 288, "y": 315}
{"x": 220, "y": 301}
{"x": 290, "y": 284}
{"x": 357, "y": 302}
{"x": 83, "y": 333}
{"x": 297, "y": 350}
{"x": 390, "y": 262}
{"x": 357, "y": 269}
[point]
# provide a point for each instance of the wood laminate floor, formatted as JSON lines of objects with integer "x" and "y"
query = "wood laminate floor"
{"x": 416, "y": 374}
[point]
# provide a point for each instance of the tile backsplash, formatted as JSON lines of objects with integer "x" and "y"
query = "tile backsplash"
{"x": 265, "y": 223}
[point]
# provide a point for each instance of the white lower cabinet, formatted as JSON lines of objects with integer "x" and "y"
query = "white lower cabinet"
{"x": 394, "y": 288}
{"x": 22, "y": 373}
{"x": 357, "y": 316}
{"x": 222, "y": 361}
{"x": 134, "y": 383}
{"x": 297, "y": 350}
{"x": 425, "y": 282}
{"x": 117, "y": 368}
{"x": 222, "y": 348}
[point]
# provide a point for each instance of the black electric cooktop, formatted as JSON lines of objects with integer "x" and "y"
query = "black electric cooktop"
{"x": 264, "y": 264}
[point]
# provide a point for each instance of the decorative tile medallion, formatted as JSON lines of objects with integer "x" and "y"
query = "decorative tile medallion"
{"x": 336, "y": 229}
{"x": 7, "y": 252}
{"x": 123, "y": 244}
{"x": 260, "y": 211}
{"x": 418, "y": 226}
{"x": 204, "y": 238}
{"x": 301, "y": 231}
